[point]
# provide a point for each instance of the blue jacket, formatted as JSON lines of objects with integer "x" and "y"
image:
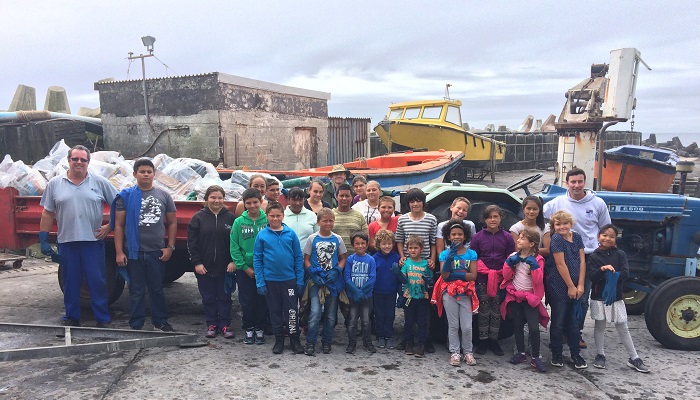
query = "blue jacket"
{"x": 361, "y": 272}
{"x": 277, "y": 257}
{"x": 387, "y": 282}
{"x": 132, "y": 203}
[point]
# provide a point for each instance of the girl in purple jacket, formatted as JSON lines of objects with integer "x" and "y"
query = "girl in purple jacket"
{"x": 493, "y": 245}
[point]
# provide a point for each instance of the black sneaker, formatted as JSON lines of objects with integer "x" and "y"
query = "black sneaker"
{"x": 310, "y": 349}
{"x": 249, "y": 337}
{"x": 103, "y": 325}
{"x": 351, "y": 347}
{"x": 579, "y": 362}
{"x": 557, "y": 360}
{"x": 369, "y": 347}
{"x": 71, "y": 322}
{"x": 638, "y": 364}
{"x": 429, "y": 348}
{"x": 419, "y": 351}
{"x": 495, "y": 347}
{"x": 401, "y": 345}
{"x": 599, "y": 361}
{"x": 260, "y": 337}
{"x": 164, "y": 328}
{"x": 481, "y": 347}
{"x": 326, "y": 347}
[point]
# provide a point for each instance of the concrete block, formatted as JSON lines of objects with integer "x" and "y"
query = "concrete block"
{"x": 24, "y": 99}
{"x": 57, "y": 100}
{"x": 90, "y": 112}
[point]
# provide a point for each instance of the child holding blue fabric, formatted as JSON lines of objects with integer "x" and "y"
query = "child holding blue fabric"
{"x": 455, "y": 292}
{"x": 608, "y": 270}
{"x": 415, "y": 276}
{"x": 360, "y": 273}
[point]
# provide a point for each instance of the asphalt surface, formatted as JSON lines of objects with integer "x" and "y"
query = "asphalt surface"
{"x": 229, "y": 369}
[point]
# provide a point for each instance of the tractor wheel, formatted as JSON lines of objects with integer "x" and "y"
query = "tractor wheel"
{"x": 673, "y": 313}
{"x": 115, "y": 283}
{"x": 635, "y": 301}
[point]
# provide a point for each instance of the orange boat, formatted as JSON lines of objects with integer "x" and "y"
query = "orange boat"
{"x": 394, "y": 171}
{"x": 638, "y": 169}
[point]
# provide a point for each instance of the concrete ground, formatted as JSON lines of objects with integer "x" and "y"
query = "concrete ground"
{"x": 229, "y": 369}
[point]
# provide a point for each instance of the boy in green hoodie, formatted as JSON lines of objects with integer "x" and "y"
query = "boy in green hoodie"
{"x": 243, "y": 233}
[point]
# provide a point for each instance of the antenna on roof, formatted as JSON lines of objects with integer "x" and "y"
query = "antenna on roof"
{"x": 447, "y": 91}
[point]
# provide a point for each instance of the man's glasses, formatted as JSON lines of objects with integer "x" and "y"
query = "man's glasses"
{"x": 76, "y": 159}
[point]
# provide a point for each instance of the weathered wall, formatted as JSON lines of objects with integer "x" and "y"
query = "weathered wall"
{"x": 347, "y": 139}
{"x": 273, "y": 141}
{"x": 193, "y": 136}
{"x": 183, "y": 112}
{"x": 266, "y": 127}
{"x": 217, "y": 118}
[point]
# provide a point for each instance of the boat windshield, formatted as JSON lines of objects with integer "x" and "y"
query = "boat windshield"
{"x": 454, "y": 116}
{"x": 432, "y": 112}
{"x": 411, "y": 113}
{"x": 395, "y": 114}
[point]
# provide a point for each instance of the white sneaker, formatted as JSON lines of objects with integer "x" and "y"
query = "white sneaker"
{"x": 469, "y": 359}
{"x": 456, "y": 360}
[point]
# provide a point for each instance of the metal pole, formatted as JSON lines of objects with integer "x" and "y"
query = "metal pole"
{"x": 143, "y": 81}
{"x": 601, "y": 142}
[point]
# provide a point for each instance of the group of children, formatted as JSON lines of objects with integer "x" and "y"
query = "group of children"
{"x": 493, "y": 273}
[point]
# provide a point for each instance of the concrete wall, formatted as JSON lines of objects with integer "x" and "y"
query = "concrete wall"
{"x": 217, "y": 118}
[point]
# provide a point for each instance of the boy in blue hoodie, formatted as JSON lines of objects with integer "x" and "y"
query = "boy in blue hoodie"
{"x": 324, "y": 260}
{"x": 279, "y": 276}
{"x": 385, "y": 288}
{"x": 360, "y": 274}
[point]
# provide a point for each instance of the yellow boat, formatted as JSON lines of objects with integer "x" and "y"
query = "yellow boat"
{"x": 435, "y": 125}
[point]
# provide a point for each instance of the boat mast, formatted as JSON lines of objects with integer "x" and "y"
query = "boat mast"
{"x": 447, "y": 91}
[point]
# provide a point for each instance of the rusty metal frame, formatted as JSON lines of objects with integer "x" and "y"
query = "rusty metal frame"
{"x": 126, "y": 340}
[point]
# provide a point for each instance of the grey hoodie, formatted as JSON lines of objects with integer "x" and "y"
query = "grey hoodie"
{"x": 590, "y": 213}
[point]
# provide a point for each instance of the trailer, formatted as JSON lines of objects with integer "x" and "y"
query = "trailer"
{"x": 20, "y": 217}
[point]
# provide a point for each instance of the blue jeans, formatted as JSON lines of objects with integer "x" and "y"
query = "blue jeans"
{"x": 329, "y": 314}
{"x": 146, "y": 272}
{"x": 360, "y": 309}
{"x": 384, "y": 314}
{"x": 562, "y": 323}
{"x": 216, "y": 302}
{"x": 416, "y": 312}
{"x": 84, "y": 259}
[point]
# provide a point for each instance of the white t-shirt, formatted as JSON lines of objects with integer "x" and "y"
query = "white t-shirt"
{"x": 370, "y": 213}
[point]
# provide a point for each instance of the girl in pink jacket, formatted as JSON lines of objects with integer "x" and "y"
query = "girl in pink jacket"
{"x": 524, "y": 285}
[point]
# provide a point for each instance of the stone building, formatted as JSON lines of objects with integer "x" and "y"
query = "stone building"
{"x": 218, "y": 118}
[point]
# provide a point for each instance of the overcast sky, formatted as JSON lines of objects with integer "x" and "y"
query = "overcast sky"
{"x": 504, "y": 59}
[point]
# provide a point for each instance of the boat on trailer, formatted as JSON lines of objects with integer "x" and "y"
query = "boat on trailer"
{"x": 633, "y": 168}
{"x": 394, "y": 171}
{"x": 437, "y": 124}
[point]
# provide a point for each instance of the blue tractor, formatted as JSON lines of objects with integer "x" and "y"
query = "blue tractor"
{"x": 659, "y": 232}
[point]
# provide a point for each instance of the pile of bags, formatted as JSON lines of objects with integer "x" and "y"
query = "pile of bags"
{"x": 183, "y": 178}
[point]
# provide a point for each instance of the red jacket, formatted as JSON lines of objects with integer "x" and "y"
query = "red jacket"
{"x": 533, "y": 298}
{"x": 494, "y": 277}
{"x": 454, "y": 288}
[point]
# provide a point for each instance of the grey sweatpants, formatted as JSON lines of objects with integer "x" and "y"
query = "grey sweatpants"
{"x": 459, "y": 315}
{"x": 622, "y": 330}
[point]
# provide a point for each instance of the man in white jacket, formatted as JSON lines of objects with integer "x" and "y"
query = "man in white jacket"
{"x": 590, "y": 213}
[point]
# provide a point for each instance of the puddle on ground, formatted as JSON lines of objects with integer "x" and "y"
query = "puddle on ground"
{"x": 483, "y": 377}
{"x": 370, "y": 372}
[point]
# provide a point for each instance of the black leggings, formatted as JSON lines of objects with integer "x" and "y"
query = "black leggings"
{"x": 522, "y": 312}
